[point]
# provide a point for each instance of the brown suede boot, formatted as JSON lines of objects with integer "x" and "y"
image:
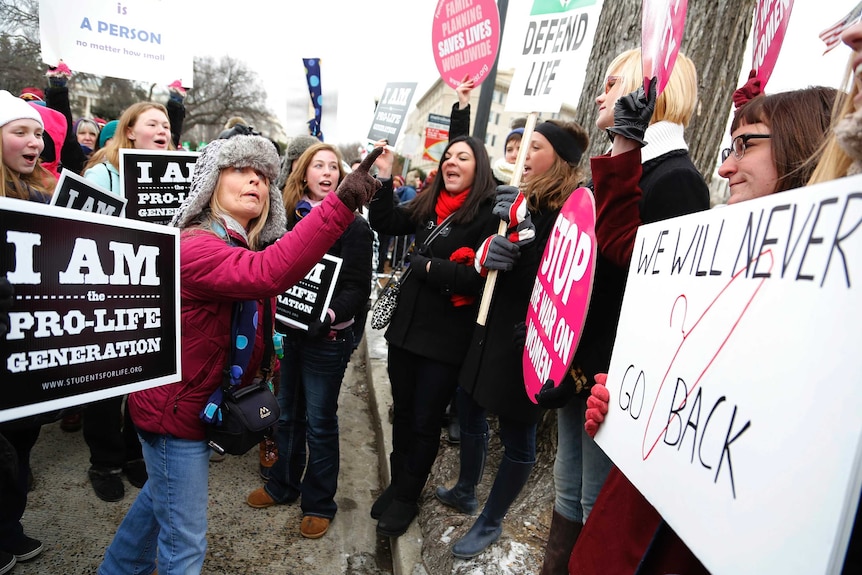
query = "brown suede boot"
{"x": 561, "y": 540}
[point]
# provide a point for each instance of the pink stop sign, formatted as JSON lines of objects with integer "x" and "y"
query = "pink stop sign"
{"x": 561, "y": 293}
{"x": 465, "y": 38}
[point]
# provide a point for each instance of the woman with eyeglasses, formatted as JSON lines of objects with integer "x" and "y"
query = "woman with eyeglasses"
{"x": 645, "y": 177}
{"x": 774, "y": 139}
{"x": 775, "y": 146}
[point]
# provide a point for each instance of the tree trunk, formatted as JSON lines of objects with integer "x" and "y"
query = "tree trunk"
{"x": 715, "y": 39}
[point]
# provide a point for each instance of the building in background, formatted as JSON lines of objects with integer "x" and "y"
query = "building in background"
{"x": 439, "y": 100}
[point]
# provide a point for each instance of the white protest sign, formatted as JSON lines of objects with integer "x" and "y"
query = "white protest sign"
{"x": 143, "y": 40}
{"x": 96, "y": 309}
{"x": 735, "y": 379}
{"x": 550, "y": 42}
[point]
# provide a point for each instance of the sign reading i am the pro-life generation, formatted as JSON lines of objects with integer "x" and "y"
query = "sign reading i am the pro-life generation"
{"x": 561, "y": 293}
{"x": 78, "y": 193}
{"x": 155, "y": 183}
{"x": 309, "y": 299}
{"x": 734, "y": 382}
{"x": 95, "y": 311}
{"x": 391, "y": 112}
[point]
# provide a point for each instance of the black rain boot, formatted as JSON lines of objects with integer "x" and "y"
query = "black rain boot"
{"x": 511, "y": 478}
{"x": 385, "y": 499}
{"x": 474, "y": 449}
{"x": 404, "y": 507}
{"x": 561, "y": 540}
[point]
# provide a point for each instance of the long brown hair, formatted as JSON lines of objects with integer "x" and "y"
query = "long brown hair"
{"x": 295, "y": 186}
{"x": 551, "y": 189}
{"x": 422, "y": 207}
{"x": 111, "y": 151}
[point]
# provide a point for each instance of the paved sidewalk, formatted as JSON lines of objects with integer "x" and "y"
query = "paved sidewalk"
{"x": 76, "y": 526}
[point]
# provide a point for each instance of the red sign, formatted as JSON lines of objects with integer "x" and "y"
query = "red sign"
{"x": 435, "y": 142}
{"x": 661, "y": 35}
{"x": 561, "y": 293}
{"x": 770, "y": 24}
{"x": 465, "y": 38}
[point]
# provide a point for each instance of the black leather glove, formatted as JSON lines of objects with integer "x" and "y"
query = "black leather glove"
{"x": 632, "y": 114}
{"x": 550, "y": 397}
{"x": 319, "y": 329}
{"x": 498, "y": 253}
{"x": 358, "y": 187}
{"x": 6, "y": 296}
{"x": 519, "y": 336}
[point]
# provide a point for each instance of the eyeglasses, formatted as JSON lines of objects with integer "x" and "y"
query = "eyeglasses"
{"x": 611, "y": 81}
{"x": 740, "y": 144}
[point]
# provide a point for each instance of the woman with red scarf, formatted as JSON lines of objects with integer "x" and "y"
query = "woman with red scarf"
{"x": 430, "y": 329}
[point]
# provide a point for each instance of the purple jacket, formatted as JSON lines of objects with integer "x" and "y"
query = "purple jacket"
{"x": 213, "y": 275}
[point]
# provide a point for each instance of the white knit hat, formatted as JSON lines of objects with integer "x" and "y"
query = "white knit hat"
{"x": 238, "y": 152}
{"x": 13, "y": 108}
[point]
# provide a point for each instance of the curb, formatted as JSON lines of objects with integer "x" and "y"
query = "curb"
{"x": 407, "y": 549}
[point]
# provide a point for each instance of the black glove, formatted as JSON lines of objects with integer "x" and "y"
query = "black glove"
{"x": 418, "y": 263}
{"x": 320, "y": 328}
{"x": 358, "y": 187}
{"x": 506, "y": 195}
{"x": 6, "y": 296}
{"x": 497, "y": 253}
{"x": 519, "y": 336}
{"x": 632, "y": 114}
{"x": 550, "y": 397}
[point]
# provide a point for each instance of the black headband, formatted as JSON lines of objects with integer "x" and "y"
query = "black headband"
{"x": 563, "y": 142}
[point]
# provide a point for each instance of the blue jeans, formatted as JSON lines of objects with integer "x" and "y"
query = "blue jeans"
{"x": 169, "y": 516}
{"x": 311, "y": 375}
{"x": 580, "y": 467}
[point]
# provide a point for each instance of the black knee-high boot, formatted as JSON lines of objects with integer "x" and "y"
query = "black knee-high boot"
{"x": 511, "y": 478}
{"x": 474, "y": 449}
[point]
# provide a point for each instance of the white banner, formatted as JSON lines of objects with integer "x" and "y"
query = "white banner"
{"x": 142, "y": 40}
{"x": 735, "y": 379}
{"x": 550, "y": 43}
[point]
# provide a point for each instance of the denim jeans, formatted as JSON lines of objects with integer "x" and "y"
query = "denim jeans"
{"x": 580, "y": 467}
{"x": 311, "y": 375}
{"x": 169, "y": 516}
{"x": 518, "y": 438}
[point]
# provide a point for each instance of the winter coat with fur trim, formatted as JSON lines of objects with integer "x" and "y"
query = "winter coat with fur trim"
{"x": 213, "y": 275}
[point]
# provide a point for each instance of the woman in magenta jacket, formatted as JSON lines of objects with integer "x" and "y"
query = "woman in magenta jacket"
{"x": 230, "y": 251}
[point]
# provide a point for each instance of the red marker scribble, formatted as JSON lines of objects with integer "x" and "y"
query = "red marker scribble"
{"x": 711, "y": 319}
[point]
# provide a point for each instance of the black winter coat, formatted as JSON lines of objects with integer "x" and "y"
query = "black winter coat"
{"x": 671, "y": 187}
{"x": 426, "y": 322}
{"x": 493, "y": 373}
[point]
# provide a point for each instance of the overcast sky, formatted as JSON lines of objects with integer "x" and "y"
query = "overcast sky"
{"x": 365, "y": 45}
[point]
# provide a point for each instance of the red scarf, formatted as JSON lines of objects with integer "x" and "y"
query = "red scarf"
{"x": 449, "y": 203}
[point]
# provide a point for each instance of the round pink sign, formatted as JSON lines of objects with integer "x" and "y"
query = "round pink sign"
{"x": 465, "y": 39}
{"x": 561, "y": 293}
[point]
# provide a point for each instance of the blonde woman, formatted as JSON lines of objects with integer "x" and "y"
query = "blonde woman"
{"x": 646, "y": 176}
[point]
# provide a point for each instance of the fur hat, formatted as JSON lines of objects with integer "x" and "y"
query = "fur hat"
{"x": 240, "y": 152}
{"x": 12, "y": 108}
{"x": 295, "y": 148}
